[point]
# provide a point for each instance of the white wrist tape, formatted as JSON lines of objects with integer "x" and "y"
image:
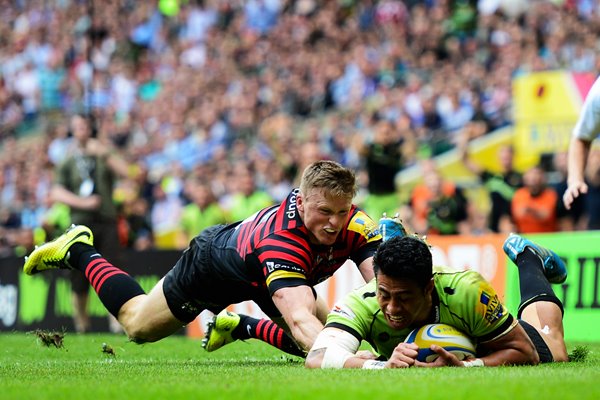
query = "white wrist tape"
{"x": 374, "y": 364}
{"x": 478, "y": 362}
{"x": 339, "y": 346}
{"x": 335, "y": 357}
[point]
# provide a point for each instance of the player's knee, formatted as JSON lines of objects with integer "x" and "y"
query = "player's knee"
{"x": 137, "y": 331}
{"x": 140, "y": 335}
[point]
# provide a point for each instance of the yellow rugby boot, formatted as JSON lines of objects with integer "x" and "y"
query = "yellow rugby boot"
{"x": 55, "y": 254}
{"x": 219, "y": 331}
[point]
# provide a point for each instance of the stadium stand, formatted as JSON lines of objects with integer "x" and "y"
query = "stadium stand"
{"x": 186, "y": 93}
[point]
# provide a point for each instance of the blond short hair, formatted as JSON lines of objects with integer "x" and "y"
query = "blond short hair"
{"x": 331, "y": 176}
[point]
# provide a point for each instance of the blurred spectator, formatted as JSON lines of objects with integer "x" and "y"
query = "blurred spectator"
{"x": 261, "y": 15}
{"x": 245, "y": 197}
{"x": 446, "y": 210}
{"x": 476, "y": 223}
{"x": 202, "y": 211}
{"x": 276, "y": 181}
{"x": 56, "y": 219}
{"x": 534, "y": 206}
{"x": 287, "y": 80}
{"x": 52, "y": 80}
{"x": 60, "y": 142}
{"x": 85, "y": 181}
{"x": 139, "y": 227}
{"x": 383, "y": 158}
{"x": 500, "y": 185}
{"x": 438, "y": 205}
{"x": 165, "y": 214}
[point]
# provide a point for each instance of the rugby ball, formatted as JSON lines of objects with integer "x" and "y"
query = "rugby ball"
{"x": 446, "y": 336}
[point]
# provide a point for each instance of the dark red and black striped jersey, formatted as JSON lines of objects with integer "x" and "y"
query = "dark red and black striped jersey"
{"x": 271, "y": 249}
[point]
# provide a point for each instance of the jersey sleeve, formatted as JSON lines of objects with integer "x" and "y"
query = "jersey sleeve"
{"x": 367, "y": 236}
{"x": 285, "y": 260}
{"x": 588, "y": 125}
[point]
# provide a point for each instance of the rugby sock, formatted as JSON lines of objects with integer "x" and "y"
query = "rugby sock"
{"x": 113, "y": 286}
{"x": 267, "y": 331}
{"x": 534, "y": 285}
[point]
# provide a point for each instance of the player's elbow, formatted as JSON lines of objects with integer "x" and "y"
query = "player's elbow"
{"x": 526, "y": 355}
{"x": 531, "y": 358}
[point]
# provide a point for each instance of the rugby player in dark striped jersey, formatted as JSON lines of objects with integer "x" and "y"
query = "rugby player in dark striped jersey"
{"x": 273, "y": 257}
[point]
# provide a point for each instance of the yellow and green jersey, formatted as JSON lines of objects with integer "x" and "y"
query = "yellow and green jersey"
{"x": 462, "y": 299}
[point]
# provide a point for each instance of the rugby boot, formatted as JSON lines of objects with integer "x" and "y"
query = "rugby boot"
{"x": 391, "y": 227}
{"x": 219, "y": 331}
{"x": 55, "y": 254}
{"x": 554, "y": 267}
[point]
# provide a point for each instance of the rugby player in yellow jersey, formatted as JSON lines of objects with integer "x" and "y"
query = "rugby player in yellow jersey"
{"x": 407, "y": 293}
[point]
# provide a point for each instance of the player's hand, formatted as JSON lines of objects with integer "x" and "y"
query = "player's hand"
{"x": 574, "y": 190}
{"x": 445, "y": 358}
{"x": 404, "y": 356}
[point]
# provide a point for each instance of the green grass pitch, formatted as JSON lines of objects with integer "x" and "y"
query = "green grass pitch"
{"x": 178, "y": 368}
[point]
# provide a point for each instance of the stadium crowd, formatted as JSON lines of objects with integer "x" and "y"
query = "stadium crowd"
{"x": 217, "y": 104}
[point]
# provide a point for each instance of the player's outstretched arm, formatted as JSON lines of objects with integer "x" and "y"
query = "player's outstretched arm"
{"x": 298, "y": 308}
{"x": 366, "y": 269}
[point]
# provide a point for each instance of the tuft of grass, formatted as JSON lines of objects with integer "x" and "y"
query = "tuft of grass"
{"x": 579, "y": 354}
{"x": 50, "y": 338}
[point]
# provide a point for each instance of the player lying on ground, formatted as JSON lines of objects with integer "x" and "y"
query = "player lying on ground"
{"x": 274, "y": 258}
{"x": 408, "y": 292}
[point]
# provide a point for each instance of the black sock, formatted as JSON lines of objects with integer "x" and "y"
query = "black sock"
{"x": 267, "y": 331}
{"x": 113, "y": 286}
{"x": 533, "y": 284}
{"x": 79, "y": 255}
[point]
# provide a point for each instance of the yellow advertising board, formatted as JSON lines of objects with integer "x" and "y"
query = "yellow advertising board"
{"x": 546, "y": 107}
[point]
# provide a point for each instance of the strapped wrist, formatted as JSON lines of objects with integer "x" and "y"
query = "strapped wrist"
{"x": 374, "y": 364}
{"x": 477, "y": 362}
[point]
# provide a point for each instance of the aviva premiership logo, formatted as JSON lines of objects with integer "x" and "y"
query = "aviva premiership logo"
{"x": 364, "y": 225}
{"x": 493, "y": 307}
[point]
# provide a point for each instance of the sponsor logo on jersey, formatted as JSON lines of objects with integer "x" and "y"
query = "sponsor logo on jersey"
{"x": 364, "y": 225}
{"x": 493, "y": 308}
{"x": 273, "y": 266}
{"x": 290, "y": 211}
{"x": 343, "y": 310}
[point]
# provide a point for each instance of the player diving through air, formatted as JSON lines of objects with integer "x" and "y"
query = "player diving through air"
{"x": 273, "y": 257}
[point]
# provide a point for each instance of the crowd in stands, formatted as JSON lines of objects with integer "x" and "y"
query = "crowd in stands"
{"x": 217, "y": 104}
